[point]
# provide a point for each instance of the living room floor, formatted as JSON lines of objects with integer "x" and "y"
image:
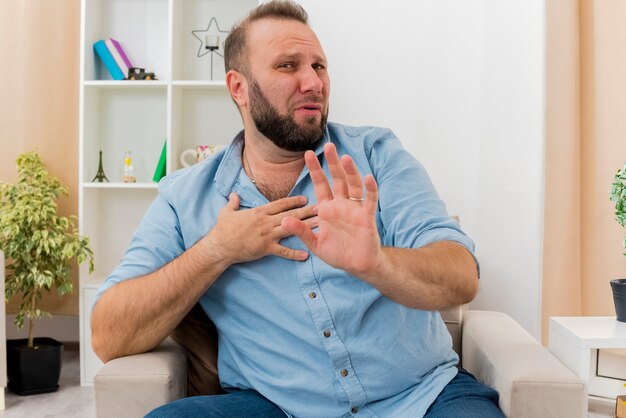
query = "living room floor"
{"x": 74, "y": 401}
{"x": 601, "y": 409}
{"x": 70, "y": 401}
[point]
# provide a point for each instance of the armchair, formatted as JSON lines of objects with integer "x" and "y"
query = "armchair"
{"x": 498, "y": 351}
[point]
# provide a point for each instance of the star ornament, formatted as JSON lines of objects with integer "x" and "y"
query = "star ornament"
{"x": 213, "y": 29}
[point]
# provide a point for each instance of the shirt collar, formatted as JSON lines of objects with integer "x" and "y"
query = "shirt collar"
{"x": 229, "y": 173}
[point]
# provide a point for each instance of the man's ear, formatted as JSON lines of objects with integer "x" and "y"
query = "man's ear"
{"x": 238, "y": 87}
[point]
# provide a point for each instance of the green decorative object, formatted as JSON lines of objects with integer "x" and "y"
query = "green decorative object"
{"x": 160, "y": 171}
{"x": 40, "y": 246}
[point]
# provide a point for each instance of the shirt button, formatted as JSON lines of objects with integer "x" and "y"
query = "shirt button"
{"x": 355, "y": 409}
{"x": 326, "y": 333}
{"x": 344, "y": 372}
{"x": 312, "y": 295}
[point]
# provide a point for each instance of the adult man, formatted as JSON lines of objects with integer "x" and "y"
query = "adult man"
{"x": 323, "y": 309}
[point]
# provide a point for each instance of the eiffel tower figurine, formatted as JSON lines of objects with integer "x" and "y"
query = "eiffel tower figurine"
{"x": 100, "y": 176}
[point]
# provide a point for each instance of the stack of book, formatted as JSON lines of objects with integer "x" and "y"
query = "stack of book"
{"x": 113, "y": 57}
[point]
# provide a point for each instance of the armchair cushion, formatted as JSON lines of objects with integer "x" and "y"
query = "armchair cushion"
{"x": 132, "y": 386}
{"x": 531, "y": 381}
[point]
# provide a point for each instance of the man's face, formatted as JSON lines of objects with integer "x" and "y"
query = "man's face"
{"x": 288, "y": 84}
{"x": 283, "y": 130}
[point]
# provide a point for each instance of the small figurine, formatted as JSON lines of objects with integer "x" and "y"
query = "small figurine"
{"x": 100, "y": 176}
{"x": 129, "y": 170}
{"x": 136, "y": 73}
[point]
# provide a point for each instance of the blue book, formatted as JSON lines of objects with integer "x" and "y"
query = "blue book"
{"x": 107, "y": 59}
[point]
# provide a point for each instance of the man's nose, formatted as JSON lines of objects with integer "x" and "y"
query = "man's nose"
{"x": 310, "y": 81}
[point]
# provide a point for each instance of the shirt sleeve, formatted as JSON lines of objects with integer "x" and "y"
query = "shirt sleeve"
{"x": 411, "y": 212}
{"x": 156, "y": 242}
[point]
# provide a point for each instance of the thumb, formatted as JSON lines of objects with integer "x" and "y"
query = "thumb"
{"x": 301, "y": 230}
{"x": 233, "y": 201}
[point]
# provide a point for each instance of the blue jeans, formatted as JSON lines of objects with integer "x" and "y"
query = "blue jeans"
{"x": 463, "y": 397}
{"x": 239, "y": 404}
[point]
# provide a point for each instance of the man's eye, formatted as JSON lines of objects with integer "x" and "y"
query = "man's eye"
{"x": 318, "y": 67}
{"x": 287, "y": 65}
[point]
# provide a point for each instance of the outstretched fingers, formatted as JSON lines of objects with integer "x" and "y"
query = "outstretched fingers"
{"x": 371, "y": 199}
{"x": 338, "y": 174}
{"x": 320, "y": 182}
{"x": 355, "y": 184}
{"x": 346, "y": 180}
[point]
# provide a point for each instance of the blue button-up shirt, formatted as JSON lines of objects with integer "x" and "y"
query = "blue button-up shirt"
{"x": 313, "y": 339}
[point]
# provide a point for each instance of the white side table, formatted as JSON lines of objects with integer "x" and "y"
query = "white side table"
{"x": 576, "y": 341}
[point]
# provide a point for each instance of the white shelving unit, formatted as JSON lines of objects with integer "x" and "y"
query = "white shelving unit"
{"x": 182, "y": 109}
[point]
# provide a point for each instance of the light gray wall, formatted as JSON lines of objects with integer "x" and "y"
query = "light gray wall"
{"x": 462, "y": 85}
{"x": 62, "y": 328}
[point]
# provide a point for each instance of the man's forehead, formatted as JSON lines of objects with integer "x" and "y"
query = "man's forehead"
{"x": 279, "y": 36}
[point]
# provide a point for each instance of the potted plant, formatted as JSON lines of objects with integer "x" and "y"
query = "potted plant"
{"x": 40, "y": 247}
{"x": 618, "y": 196}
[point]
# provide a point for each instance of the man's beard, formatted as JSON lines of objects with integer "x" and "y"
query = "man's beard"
{"x": 283, "y": 131}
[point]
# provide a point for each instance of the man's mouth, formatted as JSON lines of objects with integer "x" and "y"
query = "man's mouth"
{"x": 310, "y": 108}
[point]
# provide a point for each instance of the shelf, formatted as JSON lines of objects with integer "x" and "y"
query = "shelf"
{"x": 117, "y": 185}
{"x": 185, "y": 107}
{"x": 125, "y": 84}
{"x": 140, "y": 26}
{"x": 119, "y": 119}
{"x": 131, "y": 84}
{"x": 200, "y": 84}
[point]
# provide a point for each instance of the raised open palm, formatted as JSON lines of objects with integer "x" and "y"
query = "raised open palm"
{"x": 347, "y": 238}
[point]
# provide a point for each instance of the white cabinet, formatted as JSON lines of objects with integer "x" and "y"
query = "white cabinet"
{"x": 182, "y": 109}
{"x": 577, "y": 342}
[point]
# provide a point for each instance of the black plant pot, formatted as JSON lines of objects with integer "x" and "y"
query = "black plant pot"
{"x": 34, "y": 370}
{"x": 619, "y": 297}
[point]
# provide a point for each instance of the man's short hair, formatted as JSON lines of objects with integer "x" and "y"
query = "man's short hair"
{"x": 235, "y": 45}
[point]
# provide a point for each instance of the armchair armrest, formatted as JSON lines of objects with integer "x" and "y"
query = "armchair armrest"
{"x": 133, "y": 386}
{"x": 531, "y": 381}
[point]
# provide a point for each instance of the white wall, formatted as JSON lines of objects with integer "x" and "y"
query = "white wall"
{"x": 461, "y": 84}
{"x": 62, "y": 328}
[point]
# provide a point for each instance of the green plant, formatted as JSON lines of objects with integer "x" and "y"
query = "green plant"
{"x": 618, "y": 196}
{"x": 39, "y": 245}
